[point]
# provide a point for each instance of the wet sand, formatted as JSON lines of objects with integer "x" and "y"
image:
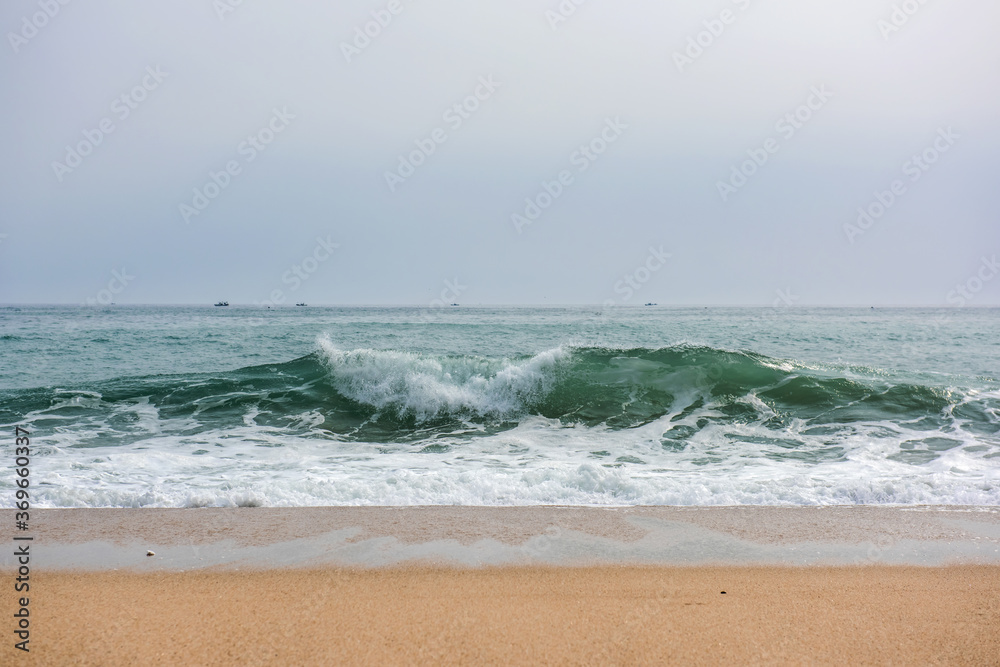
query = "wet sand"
{"x": 481, "y": 536}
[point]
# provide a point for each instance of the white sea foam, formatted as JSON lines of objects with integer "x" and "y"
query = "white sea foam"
{"x": 426, "y": 386}
{"x": 539, "y": 462}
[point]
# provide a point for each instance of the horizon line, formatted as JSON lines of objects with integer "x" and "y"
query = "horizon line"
{"x": 496, "y": 305}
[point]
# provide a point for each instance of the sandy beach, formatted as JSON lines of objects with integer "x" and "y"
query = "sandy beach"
{"x": 534, "y": 585}
{"x": 534, "y": 615}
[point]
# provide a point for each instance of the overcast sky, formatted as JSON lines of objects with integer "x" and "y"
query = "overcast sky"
{"x": 740, "y": 138}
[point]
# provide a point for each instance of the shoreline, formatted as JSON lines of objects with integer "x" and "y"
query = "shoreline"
{"x": 304, "y": 537}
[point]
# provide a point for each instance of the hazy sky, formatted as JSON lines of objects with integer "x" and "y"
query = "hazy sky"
{"x": 353, "y": 178}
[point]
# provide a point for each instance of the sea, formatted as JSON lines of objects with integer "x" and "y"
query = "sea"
{"x": 180, "y": 406}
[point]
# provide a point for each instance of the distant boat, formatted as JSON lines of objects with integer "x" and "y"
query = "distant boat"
{"x": 300, "y": 304}
{"x": 222, "y": 303}
{"x": 650, "y": 304}
{"x": 454, "y": 304}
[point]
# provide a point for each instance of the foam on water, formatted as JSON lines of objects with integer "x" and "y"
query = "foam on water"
{"x": 540, "y": 461}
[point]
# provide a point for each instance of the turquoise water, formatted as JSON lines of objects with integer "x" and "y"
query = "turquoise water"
{"x": 190, "y": 406}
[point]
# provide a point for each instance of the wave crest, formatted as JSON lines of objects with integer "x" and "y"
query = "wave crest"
{"x": 427, "y": 386}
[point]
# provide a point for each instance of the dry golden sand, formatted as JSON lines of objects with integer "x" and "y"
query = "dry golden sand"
{"x": 516, "y": 615}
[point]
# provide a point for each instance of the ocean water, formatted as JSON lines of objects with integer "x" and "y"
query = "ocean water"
{"x": 201, "y": 406}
